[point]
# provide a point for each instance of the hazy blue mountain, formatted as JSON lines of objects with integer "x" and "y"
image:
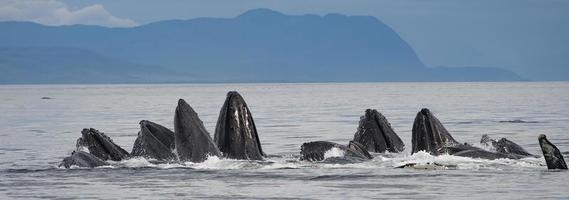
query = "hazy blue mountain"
{"x": 71, "y": 65}
{"x": 258, "y": 46}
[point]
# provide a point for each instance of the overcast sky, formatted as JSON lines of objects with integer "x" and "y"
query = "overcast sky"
{"x": 530, "y": 37}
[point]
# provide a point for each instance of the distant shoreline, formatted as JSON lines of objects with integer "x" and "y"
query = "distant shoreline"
{"x": 271, "y": 83}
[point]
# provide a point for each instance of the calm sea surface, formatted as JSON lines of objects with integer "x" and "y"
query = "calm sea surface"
{"x": 36, "y": 134}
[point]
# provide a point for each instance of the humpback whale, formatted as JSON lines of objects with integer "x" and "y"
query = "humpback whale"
{"x": 235, "y": 133}
{"x": 315, "y": 151}
{"x": 552, "y": 155}
{"x": 154, "y": 141}
{"x": 504, "y": 146}
{"x": 100, "y": 145}
{"x": 82, "y": 159}
{"x": 376, "y": 135}
{"x": 429, "y": 134}
{"x": 192, "y": 141}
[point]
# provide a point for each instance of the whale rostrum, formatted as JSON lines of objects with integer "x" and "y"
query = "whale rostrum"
{"x": 235, "y": 132}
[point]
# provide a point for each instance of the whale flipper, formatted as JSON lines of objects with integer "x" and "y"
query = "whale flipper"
{"x": 235, "y": 133}
{"x": 100, "y": 145}
{"x": 82, "y": 159}
{"x": 376, "y": 135}
{"x": 504, "y": 146}
{"x": 192, "y": 141}
{"x": 316, "y": 151}
{"x": 551, "y": 153}
{"x": 429, "y": 134}
{"x": 154, "y": 141}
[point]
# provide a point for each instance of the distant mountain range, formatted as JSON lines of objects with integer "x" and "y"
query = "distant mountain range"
{"x": 260, "y": 45}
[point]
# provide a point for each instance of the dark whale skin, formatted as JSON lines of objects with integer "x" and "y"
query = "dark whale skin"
{"x": 100, "y": 145}
{"x": 551, "y": 154}
{"x": 376, "y": 135}
{"x": 192, "y": 141}
{"x": 82, "y": 159}
{"x": 235, "y": 133}
{"x": 154, "y": 141}
{"x": 429, "y": 135}
{"x": 504, "y": 146}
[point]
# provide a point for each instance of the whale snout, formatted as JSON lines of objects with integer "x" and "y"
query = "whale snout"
{"x": 425, "y": 112}
{"x": 181, "y": 102}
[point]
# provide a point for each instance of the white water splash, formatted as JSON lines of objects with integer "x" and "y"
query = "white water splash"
{"x": 214, "y": 162}
{"x": 462, "y": 162}
{"x": 380, "y": 161}
{"x": 137, "y": 162}
{"x": 334, "y": 153}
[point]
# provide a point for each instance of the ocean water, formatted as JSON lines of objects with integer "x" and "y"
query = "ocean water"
{"x": 36, "y": 134}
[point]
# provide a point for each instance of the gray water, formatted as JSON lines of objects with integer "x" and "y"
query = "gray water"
{"x": 36, "y": 134}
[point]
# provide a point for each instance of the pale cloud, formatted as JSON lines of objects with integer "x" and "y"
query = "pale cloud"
{"x": 56, "y": 13}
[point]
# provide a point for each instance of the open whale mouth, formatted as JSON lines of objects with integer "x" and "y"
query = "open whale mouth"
{"x": 162, "y": 134}
{"x": 100, "y": 145}
{"x": 154, "y": 141}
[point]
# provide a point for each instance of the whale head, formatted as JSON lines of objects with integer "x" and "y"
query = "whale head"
{"x": 192, "y": 141}
{"x": 375, "y": 133}
{"x": 429, "y": 134}
{"x": 154, "y": 141}
{"x": 235, "y": 132}
{"x": 100, "y": 145}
